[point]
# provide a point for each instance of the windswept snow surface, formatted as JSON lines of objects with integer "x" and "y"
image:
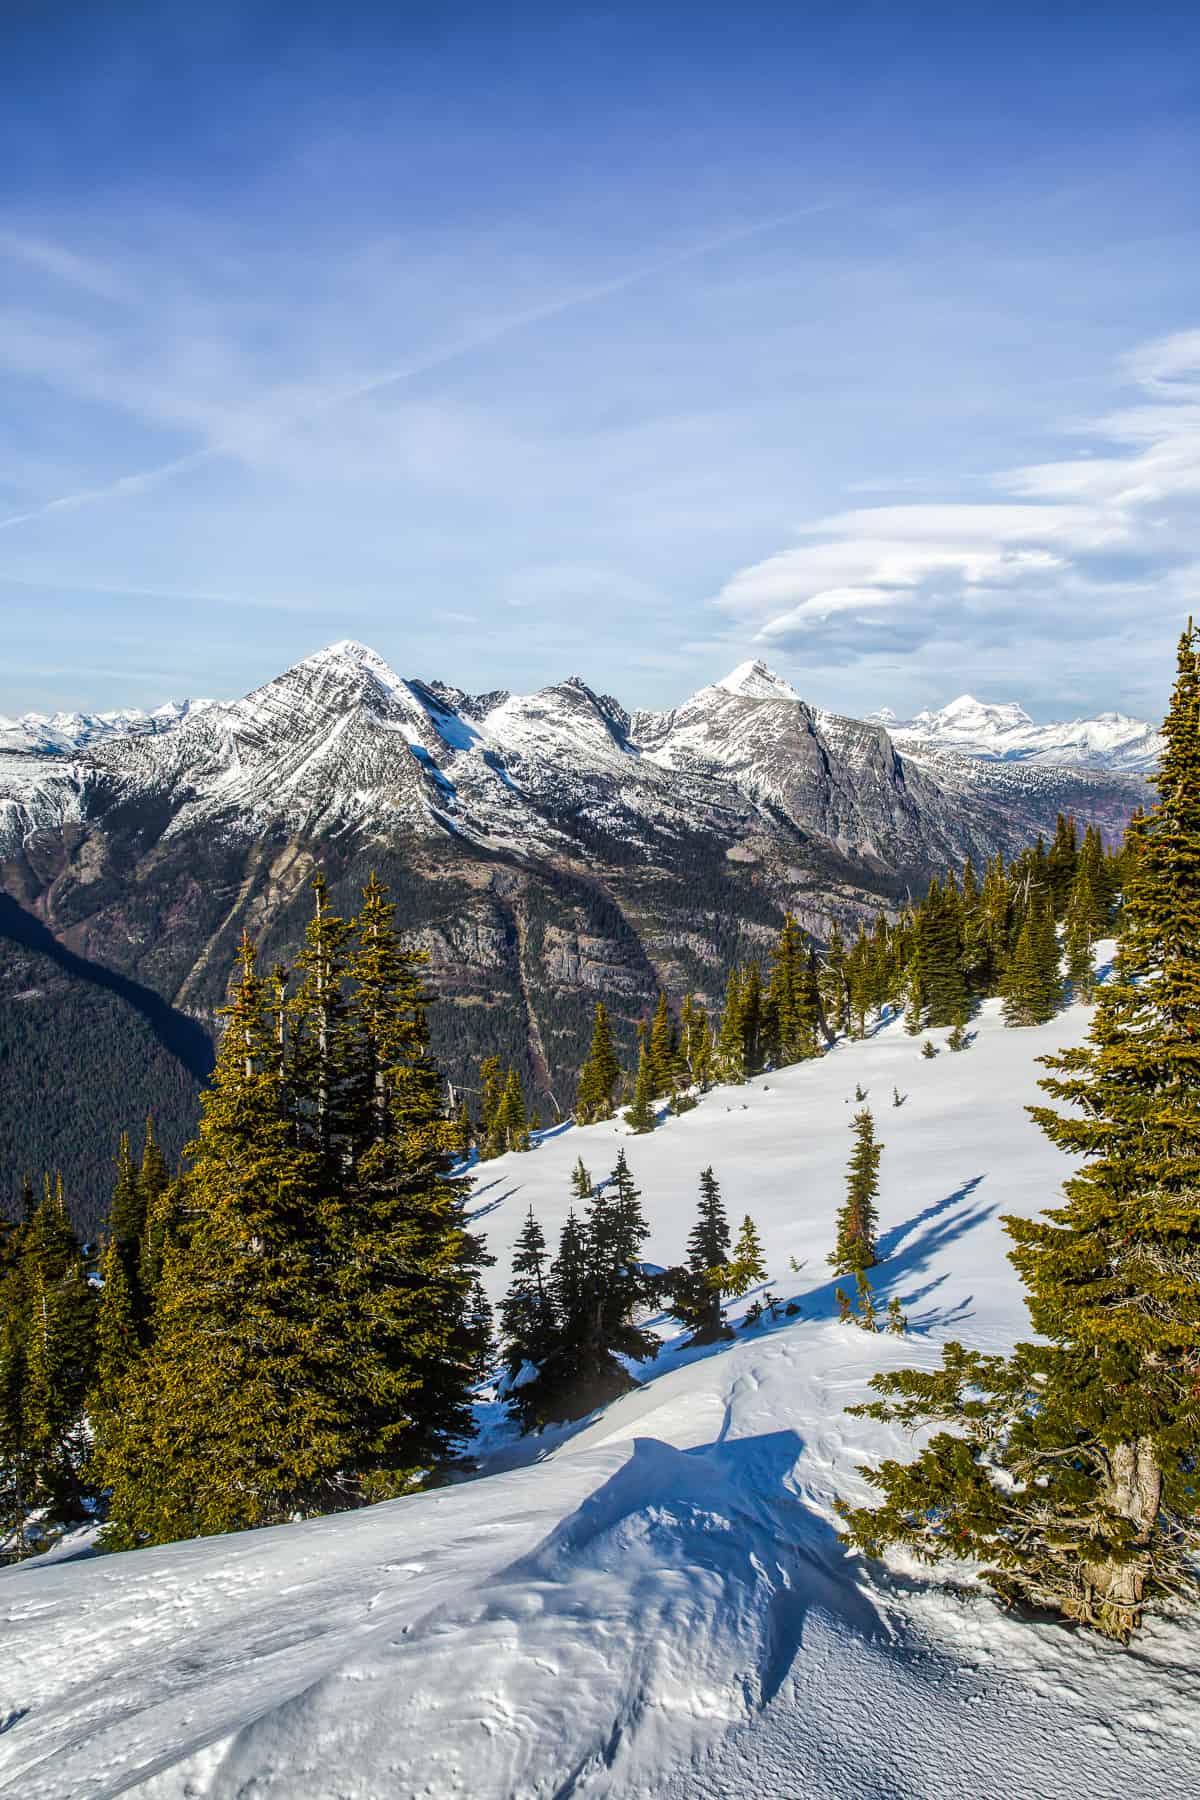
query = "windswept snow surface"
{"x": 654, "y": 1604}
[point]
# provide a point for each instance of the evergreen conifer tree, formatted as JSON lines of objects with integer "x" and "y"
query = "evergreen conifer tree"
{"x": 868, "y": 1312}
{"x": 730, "y": 1055}
{"x": 1061, "y": 863}
{"x": 465, "y": 1131}
{"x": 859, "y": 985}
{"x": 1068, "y": 1468}
{"x": 55, "y": 1345}
{"x": 238, "y": 1418}
{"x": 406, "y": 1257}
{"x": 661, "y": 1051}
{"x": 751, "y": 1018}
{"x": 1084, "y": 923}
{"x": 914, "y": 1001}
{"x": 858, "y": 1218}
{"x": 1031, "y": 985}
{"x": 747, "y": 1267}
{"x": 600, "y": 1074}
{"x": 153, "y": 1173}
{"x": 835, "y": 988}
{"x": 480, "y": 1331}
{"x": 616, "y": 1249}
{"x": 312, "y": 1040}
{"x": 512, "y": 1117}
{"x": 312, "y": 1337}
{"x": 491, "y": 1093}
{"x": 117, "y": 1345}
{"x": 939, "y": 957}
{"x": 528, "y": 1319}
{"x": 700, "y": 1054}
{"x": 789, "y": 1010}
{"x": 641, "y": 1116}
{"x": 698, "y": 1303}
{"x": 127, "y": 1212}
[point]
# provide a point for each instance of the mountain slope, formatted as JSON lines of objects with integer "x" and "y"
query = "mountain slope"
{"x": 85, "y": 1054}
{"x": 657, "y": 1606}
{"x": 545, "y": 849}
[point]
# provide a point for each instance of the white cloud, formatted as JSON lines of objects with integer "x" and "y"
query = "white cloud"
{"x": 1074, "y": 546}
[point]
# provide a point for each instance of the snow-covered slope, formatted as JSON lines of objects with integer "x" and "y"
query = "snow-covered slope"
{"x": 657, "y": 1605}
{"x": 1005, "y": 732}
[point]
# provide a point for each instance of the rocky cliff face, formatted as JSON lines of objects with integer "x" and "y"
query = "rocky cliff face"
{"x": 544, "y": 849}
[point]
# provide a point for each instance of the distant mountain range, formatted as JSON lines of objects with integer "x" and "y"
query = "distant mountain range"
{"x": 62, "y": 733}
{"x": 1004, "y": 732}
{"x": 545, "y": 849}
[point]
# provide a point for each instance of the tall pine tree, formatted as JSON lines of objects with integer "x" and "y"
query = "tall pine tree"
{"x": 1068, "y": 1469}
{"x": 600, "y": 1073}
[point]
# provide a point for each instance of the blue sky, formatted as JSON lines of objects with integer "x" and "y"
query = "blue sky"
{"x": 633, "y": 340}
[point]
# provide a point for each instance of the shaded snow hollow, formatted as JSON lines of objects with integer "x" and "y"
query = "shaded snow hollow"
{"x": 654, "y": 1604}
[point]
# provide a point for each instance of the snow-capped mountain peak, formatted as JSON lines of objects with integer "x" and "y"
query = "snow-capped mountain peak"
{"x": 352, "y": 662}
{"x": 755, "y": 681}
{"x": 967, "y": 714}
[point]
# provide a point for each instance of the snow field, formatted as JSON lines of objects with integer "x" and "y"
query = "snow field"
{"x": 654, "y": 1603}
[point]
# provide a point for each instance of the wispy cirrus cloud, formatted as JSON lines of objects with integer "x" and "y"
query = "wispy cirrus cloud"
{"x": 61, "y": 264}
{"x": 182, "y": 388}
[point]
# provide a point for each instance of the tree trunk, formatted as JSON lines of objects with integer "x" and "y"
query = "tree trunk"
{"x": 1135, "y": 1493}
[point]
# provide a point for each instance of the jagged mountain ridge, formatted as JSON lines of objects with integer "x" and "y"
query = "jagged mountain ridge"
{"x": 545, "y": 849}
{"x": 341, "y": 738}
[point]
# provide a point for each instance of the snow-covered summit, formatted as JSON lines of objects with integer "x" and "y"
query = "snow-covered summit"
{"x": 966, "y": 714}
{"x": 1002, "y": 731}
{"x": 755, "y": 681}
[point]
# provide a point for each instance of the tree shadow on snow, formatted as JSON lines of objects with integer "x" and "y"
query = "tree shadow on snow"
{"x": 891, "y": 1240}
{"x": 489, "y": 1206}
{"x": 903, "y": 1255}
{"x": 726, "y": 1515}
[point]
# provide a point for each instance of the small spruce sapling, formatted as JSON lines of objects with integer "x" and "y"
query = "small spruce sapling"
{"x": 868, "y": 1312}
{"x": 897, "y": 1323}
{"x": 928, "y": 1049}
